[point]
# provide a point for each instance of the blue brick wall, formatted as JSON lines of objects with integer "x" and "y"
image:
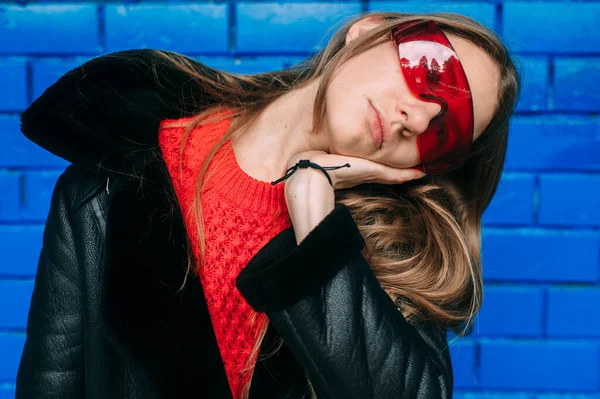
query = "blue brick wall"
{"x": 538, "y": 335}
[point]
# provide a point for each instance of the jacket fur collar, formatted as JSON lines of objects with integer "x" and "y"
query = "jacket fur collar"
{"x": 104, "y": 115}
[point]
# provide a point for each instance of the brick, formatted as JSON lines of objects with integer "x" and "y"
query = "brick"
{"x": 540, "y": 256}
{"x": 482, "y": 395}
{"x": 7, "y": 391}
{"x": 569, "y": 200}
{"x": 49, "y": 29}
{"x": 479, "y": 11}
{"x": 462, "y": 353}
{"x": 539, "y": 365}
{"x": 10, "y": 200}
{"x": 13, "y": 80}
{"x": 245, "y": 65}
{"x": 292, "y": 61}
{"x": 565, "y": 396}
{"x": 188, "y": 28}
{"x": 45, "y": 73}
{"x": 20, "y": 250}
{"x": 11, "y": 348}
{"x": 534, "y": 83}
{"x": 573, "y": 312}
{"x": 540, "y": 26}
{"x": 512, "y": 311}
{"x": 573, "y": 78}
{"x": 289, "y": 28}
{"x": 249, "y": 65}
{"x": 31, "y": 203}
{"x": 515, "y": 193}
{"x": 15, "y": 296}
{"x": 553, "y": 143}
{"x": 38, "y": 193}
{"x": 17, "y": 151}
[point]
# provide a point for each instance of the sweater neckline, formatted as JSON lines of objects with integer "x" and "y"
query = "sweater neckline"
{"x": 238, "y": 187}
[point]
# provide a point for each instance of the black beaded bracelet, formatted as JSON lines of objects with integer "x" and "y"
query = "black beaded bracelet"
{"x": 305, "y": 163}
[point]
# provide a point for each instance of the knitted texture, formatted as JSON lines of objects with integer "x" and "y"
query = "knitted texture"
{"x": 240, "y": 215}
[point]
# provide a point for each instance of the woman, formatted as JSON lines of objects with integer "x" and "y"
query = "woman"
{"x": 181, "y": 260}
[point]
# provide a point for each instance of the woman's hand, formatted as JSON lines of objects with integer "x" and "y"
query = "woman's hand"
{"x": 310, "y": 197}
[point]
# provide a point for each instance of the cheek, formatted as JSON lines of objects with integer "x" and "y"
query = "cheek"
{"x": 345, "y": 134}
{"x": 345, "y": 121}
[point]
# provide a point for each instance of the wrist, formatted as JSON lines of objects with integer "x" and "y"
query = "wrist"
{"x": 310, "y": 199}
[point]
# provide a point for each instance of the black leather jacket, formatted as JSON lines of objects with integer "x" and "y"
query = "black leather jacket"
{"x": 106, "y": 319}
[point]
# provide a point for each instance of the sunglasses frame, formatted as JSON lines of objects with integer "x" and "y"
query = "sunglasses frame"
{"x": 448, "y": 161}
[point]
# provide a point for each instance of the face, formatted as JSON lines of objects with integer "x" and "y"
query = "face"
{"x": 370, "y": 88}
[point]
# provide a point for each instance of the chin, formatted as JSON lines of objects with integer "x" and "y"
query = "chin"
{"x": 349, "y": 144}
{"x": 342, "y": 150}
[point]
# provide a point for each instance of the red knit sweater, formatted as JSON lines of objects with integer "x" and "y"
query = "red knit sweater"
{"x": 240, "y": 215}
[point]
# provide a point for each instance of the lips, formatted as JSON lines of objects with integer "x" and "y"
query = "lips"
{"x": 375, "y": 127}
{"x": 383, "y": 125}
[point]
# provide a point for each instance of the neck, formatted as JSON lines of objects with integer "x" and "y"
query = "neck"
{"x": 280, "y": 132}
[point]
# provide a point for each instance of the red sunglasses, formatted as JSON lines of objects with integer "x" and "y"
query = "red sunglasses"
{"x": 433, "y": 73}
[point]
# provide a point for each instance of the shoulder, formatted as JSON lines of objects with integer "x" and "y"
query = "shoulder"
{"x": 76, "y": 216}
{"x": 106, "y": 112}
{"x": 78, "y": 186}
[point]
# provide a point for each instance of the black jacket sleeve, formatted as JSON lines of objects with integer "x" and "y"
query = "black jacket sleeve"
{"x": 52, "y": 360}
{"x": 345, "y": 331}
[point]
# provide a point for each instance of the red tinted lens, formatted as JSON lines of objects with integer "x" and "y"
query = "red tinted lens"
{"x": 433, "y": 73}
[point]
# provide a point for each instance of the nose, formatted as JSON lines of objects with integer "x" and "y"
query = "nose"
{"x": 416, "y": 116}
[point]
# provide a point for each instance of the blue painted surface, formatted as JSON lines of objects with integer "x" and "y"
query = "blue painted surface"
{"x": 553, "y": 27}
{"x": 573, "y": 78}
{"x": 21, "y": 245}
{"x": 535, "y": 71}
{"x": 515, "y": 192}
{"x": 541, "y": 255}
{"x": 49, "y": 29}
{"x": 481, "y": 11}
{"x": 464, "y": 360}
{"x": 571, "y": 200}
{"x": 567, "y": 317}
{"x": 13, "y": 80}
{"x": 554, "y": 143}
{"x": 186, "y": 28}
{"x": 537, "y": 336}
{"x": 512, "y": 311}
{"x": 11, "y": 345}
{"x": 540, "y": 366}
{"x": 288, "y": 28}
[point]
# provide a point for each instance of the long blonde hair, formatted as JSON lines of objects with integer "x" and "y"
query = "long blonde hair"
{"x": 422, "y": 238}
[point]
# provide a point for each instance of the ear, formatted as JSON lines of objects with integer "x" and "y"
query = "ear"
{"x": 361, "y": 26}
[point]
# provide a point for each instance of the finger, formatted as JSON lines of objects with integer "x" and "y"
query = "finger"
{"x": 399, "y": 176}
